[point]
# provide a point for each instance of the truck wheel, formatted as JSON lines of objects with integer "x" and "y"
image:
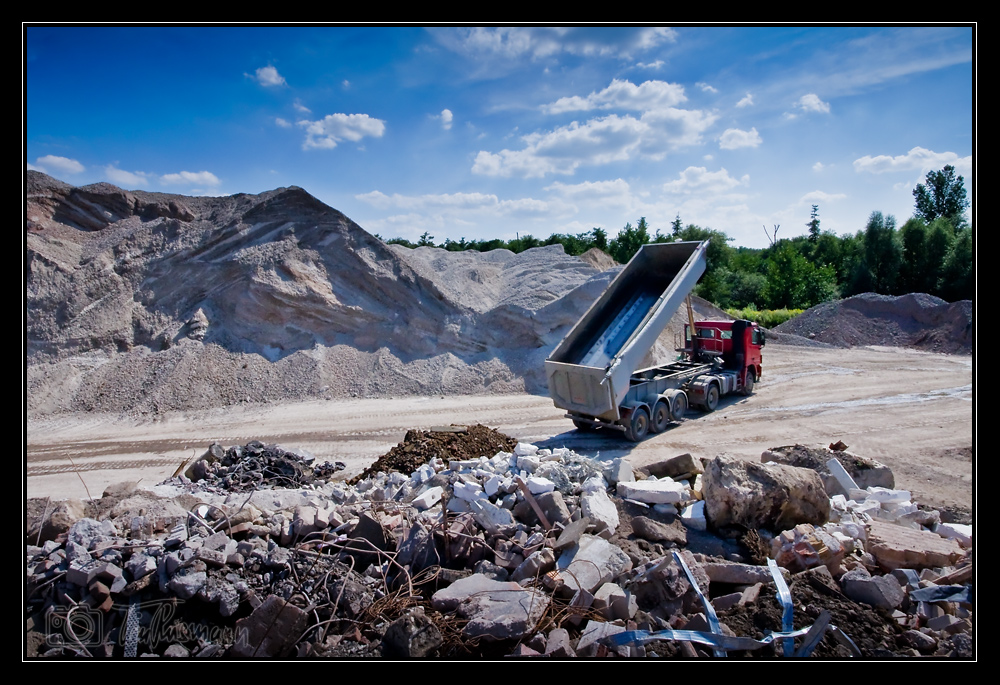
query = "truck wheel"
{"x": 748, "y": 386}
{"x": 679, "y": 406}
{"x": 638, "y": 427}
{"x": 661, "y": 417}
{"x": 583, "y": 425}
{"x": 712, "y": 397}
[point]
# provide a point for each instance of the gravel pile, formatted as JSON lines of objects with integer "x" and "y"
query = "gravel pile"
{"x": 916, "y": 320}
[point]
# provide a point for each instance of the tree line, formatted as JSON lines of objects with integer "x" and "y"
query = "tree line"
{"x": 931, "y": 253}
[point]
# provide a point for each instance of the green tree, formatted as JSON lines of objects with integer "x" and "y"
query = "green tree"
{"x": 600, "y": 238}
{"x": 883, "y": 254}
{"x": 813, "y": 224}
{"x": 943, "y": 196}
{"x": 675, "y": 225}
{"x": 958, "y": 276}
{"x": 426, "y": 240}
{"x": 629, "y": 240}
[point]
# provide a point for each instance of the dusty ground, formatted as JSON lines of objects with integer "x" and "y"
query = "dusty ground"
{"x": 911, "y": 410}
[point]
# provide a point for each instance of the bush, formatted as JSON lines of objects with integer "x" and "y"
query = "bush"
{"x": 768, "y": 318}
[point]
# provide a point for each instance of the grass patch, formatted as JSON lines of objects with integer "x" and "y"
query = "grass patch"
{"x": 768, "y": 318}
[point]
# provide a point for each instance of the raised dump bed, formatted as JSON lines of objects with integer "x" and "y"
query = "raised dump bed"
{"x": 589, "y": 373}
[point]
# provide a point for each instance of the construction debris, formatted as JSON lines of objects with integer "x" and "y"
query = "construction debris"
{"x": 478, "y": 550}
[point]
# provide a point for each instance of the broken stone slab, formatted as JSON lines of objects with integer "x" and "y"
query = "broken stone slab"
{"x": 734, "y": 573}
{"x": 806, "y": 546}
{"x": 495, "y": 610}
{"x": 681, "y": 467}
{"x": 536, "y": 564}
{"x": 665, "y": 491}
{"x": 597, "y": 506}
{"x": 959, "y": 532}
{"x": 554, "y": 507}
{"x": 898, "y": 547}
{"x": 590, "y": 563}
{"x": 863, "y": 471}
{"x": 271, "y": 630}
{"x": 619, "y": 471}
{"x": 769, "y": 496}
{"x": 693, "y": 516}
{"x": 593, "y": 633}
{"x": 878, "y": 591}
{"x": 655, "y": 531}
{"x": 412, "y": 635}
{"x": 558, "y": 644}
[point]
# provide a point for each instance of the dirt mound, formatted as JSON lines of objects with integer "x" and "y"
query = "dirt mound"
{"x": 456, "y": 442}
{"x": 916, "y": 320}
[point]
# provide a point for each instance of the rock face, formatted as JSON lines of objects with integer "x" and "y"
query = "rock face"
{"x": 773, "y": 497}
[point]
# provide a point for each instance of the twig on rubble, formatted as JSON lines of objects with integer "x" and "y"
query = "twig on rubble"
{"x": 77, "y": 472}
{"x": 41, "y": 523}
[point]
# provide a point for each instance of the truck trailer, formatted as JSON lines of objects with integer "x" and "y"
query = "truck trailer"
{"x": 593, "y": 373}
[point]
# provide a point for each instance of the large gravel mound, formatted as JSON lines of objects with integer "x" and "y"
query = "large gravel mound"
{"x": 916, "y": 320}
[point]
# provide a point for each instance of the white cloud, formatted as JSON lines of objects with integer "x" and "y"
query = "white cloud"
{"x": 698, "y": 179}
{"x": 818, "y": 166}
{"x": 299, "y": 107}
{"x": 811, "y": 103}
{"x": 126, "y": 179}
{"x": 650, "y": 65}
{"x": 589, "y": 190}
{"x": 917, "y": 159}
{"x": 446, "y": 118}
{"x": 598, "y": 141}
{"x": 56, "y": 164}
{"x": 283, "y": 123}
{"x": 734, "y": 138}
{"x": 206, "y": 178}
{"x": 649, "y": 95}
{"x": 380, "y": 200}
{"x": 345, "y": 84}
{"x": 706, "y": 87}
{"x": 539, "y": 42}
{"x": 747, "y": 101}
{"x": 269, "y": 77}
{"x": 818, "y": 196}
{"x": 335, "y": 128}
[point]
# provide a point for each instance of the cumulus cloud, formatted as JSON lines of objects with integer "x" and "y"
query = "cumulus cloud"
{"x": 203, "y": 178}
{"x": 126, "y": 179}
{"x": 647, "y": 96}
{"x": 598, "y": 141}
{"x": 734, "y": 138}
{"x": 650, "y": 65}
{"x": 747, "y": 101}
{"x": 818, "y": 166}
{"x": 59, "y": 165}
{"x": 269, "y": 77}
{"x": 811, "y": 103}
{"x": 299, "y": 107}
{"x": 283, "y": 123}
{"x": 917, "y": 159}
{"x": 336, "y": 128}
{"x": 706, "y": 87}
{"x": 698, "y": 179}
{"x": 446, "y": 118}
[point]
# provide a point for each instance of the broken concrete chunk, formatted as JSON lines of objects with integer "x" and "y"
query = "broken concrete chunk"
{"x": 412, "y": 635}
{"x": 495, "y": 610}
{"x": 271, "y": 630}
{"x": 898, "y": 547}
{"x": 863, "y": 471}
{"x": 680, "y": 467}
{"x": 769, "y": 496}
{"x": 664, "y": 491}
{"x": 878, "y": 591}
{"x": 589, "y": 564}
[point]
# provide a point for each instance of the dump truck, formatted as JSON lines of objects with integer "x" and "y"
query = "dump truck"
{"x": 594, "y": 372}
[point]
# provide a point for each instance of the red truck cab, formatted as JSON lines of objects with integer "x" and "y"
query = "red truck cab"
{"x": 737, "y": 344}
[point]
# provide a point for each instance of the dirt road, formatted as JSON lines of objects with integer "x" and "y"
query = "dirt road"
{"x": 910, "y": 410}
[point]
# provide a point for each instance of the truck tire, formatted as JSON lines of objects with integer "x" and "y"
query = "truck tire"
{"x": 583, "y": 425}
{"x": 748, "y": 386}
{"x": 638, "y": 425}
{"x": 661, "y": 416}
{"x": 712, "y": 397}
{"x": 678, "y": 406}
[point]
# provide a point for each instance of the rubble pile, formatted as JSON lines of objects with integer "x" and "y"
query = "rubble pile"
{"x": 501, "y": 552}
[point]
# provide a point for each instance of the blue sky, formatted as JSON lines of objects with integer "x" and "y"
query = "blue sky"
{"x": 491, "y": 132}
